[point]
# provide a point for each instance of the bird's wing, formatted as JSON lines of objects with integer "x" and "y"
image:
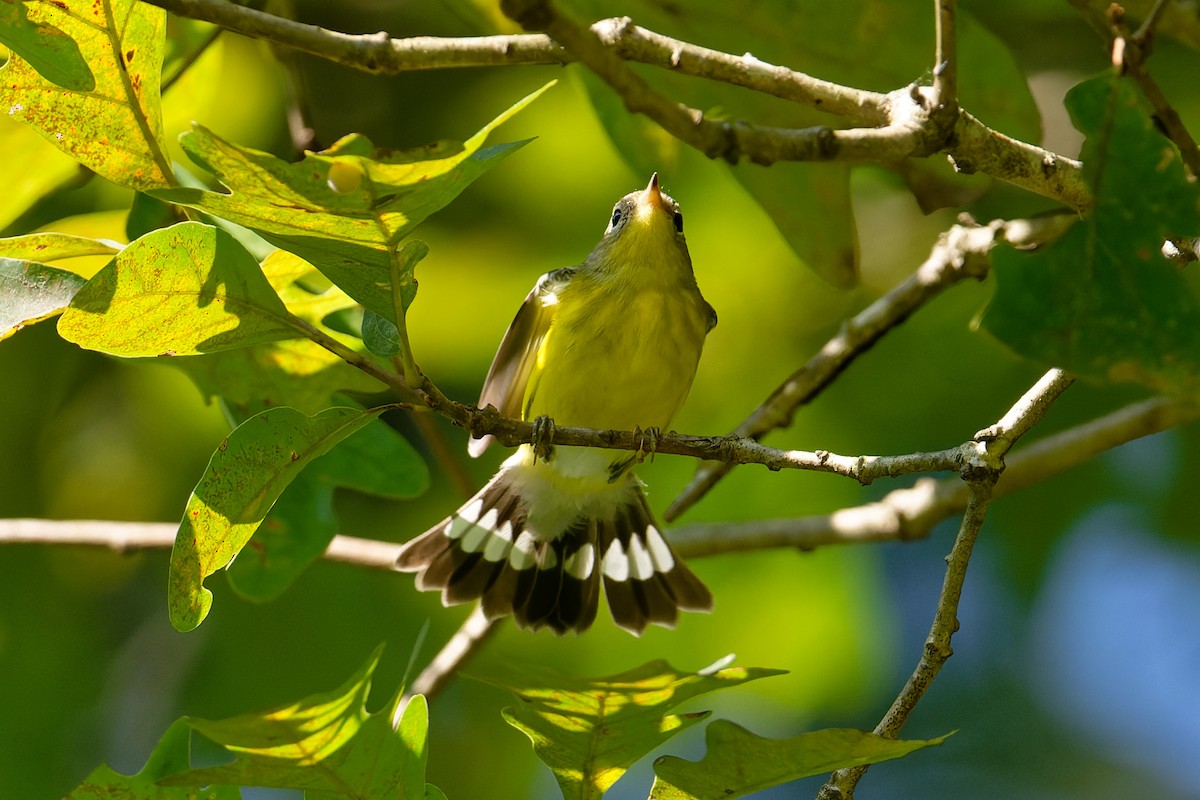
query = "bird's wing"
{"x": 504, "y": 387}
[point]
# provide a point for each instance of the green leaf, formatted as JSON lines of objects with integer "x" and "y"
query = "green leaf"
{"x": 344, "y": 209}
{"x": 47, "y": 247}
{"x": 170, "y": 756}
{"x": 326, "y": 744}
{"x": 187, "y": 289}
{"x": 873, "y": 44}
{"x": 376, "y": 460}
{"x": 49, "y": 50}
{"x": 116, "y": 127}
{"x": 246, "y": 475}
{"x": 738, "y": 762}
{"x": 30, "y": 292}
{"x": 1103, "y": 301}
{"x": 293, "y": 372}
{"x": 590, "y": 730}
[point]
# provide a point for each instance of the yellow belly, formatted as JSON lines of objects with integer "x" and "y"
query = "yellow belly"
{"x": 618, "y": 359}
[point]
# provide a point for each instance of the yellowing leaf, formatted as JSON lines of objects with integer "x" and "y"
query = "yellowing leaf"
{"x": 246, "y": 475}
{"x": 46, "y": 247}
{"x": 115, "y": 128}
{"x": 326, "y": 744}
{"x": 187, "y": 289}
{"x": 738, "y": 762}
{"x": 590, "y": 730}
{"x": 32, "y": 169}
{"x": 344, "y": 209}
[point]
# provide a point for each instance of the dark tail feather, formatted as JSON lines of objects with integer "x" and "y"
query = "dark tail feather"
{"x": 644, "y": 580}
{"x": 483, "y": 552}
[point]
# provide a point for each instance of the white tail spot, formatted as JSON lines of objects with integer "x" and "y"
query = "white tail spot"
{"x": 660, "y": 552}
{"x": 639, "y": 559}
{"x": 471, "y": 511}
{"x": 457, "y": 527}
{"x": 581, "y": 562}
{"x": 498, "y": 543}
{"x": 489, "y": 519}
{"x": 616, "y": 563}
{"x": 521, "y": 556}
{"x": 473, "y": 540}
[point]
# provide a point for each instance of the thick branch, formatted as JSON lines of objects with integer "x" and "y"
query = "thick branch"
{"x": 909, "y": 122}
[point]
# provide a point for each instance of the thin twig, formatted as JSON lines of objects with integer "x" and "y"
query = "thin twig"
{"x": 980, "y": 480}
{"x": 960, "y": 252}
{"x": 903, "y": 514}
{"x": 937, "y": 648}
{"x": 456, "y": 652}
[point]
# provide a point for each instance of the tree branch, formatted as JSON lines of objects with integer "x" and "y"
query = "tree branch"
{"x": 908, "y": 122}
{"x": 903, "y": 514}
{"x": 959, "y": 253}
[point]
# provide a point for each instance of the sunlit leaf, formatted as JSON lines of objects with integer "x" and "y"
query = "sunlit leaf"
{"x": 187, "y": 289}
{"x": 47, "y": 247}
{"x": 376, "y": 460}
{"x": 589, "y": 731}
{"x": 1103, "y": 301}
{"x": 326, "y": 744}
{"x": 170, "y": 756}
{"x": 49, "y": 50}
{"x": 873, "y": 45}
{"x": 291, "y": 372}
{"x": 246, "y": 475}
{"x": 738, "y": 762}
{"x": 115, "y": 128}
{"x": 344, "y": 209}
{"x": 30, "y": 292}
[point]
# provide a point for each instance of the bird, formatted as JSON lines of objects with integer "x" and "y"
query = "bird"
{"x": 613, "y": 343}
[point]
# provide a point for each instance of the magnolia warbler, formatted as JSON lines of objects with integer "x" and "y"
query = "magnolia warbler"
{"x": 611, "y": 344}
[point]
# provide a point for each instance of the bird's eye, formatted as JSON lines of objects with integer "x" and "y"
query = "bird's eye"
{"x": 678, "y": 222}
{"x": 616, "y": 217}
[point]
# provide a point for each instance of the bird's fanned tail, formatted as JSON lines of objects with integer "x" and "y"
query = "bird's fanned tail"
{"x": 485, "y": 551}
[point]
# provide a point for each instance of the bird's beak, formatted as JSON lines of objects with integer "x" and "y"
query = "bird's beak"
{"x": 652, "y": 197}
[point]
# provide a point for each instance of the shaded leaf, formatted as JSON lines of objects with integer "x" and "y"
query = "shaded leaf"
{"x": 170, "y": 756}
{"x": 49, "y": 50}
{"x": 46, "y": 247}
{"x": 187, "y": 289}
{"x": 116, "y": 127}
{"x": 1103, "y": 301}
{"x": 326, "y": 744}
{"x": 590, "y": 730}
{"x": 344, "y": 209}
{"x": 31, "y": 292}
{"x": 291, "y": 372}
{"x": 376, "y": 460}
{"x": 244, "y": 478}
{"x": 738, "y": 762}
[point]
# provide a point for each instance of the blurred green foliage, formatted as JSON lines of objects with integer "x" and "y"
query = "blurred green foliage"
{"x": 91, "y": 670}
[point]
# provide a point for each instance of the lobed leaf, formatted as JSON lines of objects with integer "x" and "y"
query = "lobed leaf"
{"x": 187, "y": 289}
{"x": 246, "y": 475}
{"x": 739, "y": 762}
{"x": 170, "y": 756}
{"x": 114, "y": 127}
{"x": 326, "y": 744}
{"x": 1103, "y": 301}
{"x": 31, "y": 292}
{"x": 344, "y": 209}
{"x": 375, "y": 460}
{"x": 590, "y": 730}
